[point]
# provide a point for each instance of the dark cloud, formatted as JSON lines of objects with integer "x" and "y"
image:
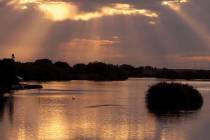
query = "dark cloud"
{"x": 163, "y": 44}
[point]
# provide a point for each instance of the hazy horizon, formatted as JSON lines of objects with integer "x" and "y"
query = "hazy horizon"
{"x": 160, "y": 33}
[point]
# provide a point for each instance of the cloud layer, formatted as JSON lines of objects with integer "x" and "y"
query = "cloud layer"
{"x": 171, "y": 33}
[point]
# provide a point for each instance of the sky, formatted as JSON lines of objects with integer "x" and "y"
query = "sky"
{"x": 161, "y": 33}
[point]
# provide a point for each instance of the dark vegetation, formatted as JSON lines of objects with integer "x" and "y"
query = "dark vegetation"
{"x": 173, "y": 97}
{"x": 45, "y": 70}
{"x": 9, "y": 79}
{"x": 148, "y": 71}
{"x": 7, "y": 75}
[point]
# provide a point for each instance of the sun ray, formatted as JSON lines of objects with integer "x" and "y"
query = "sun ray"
{"x": 27, "y": 43}
{"x": 200, "y": 30}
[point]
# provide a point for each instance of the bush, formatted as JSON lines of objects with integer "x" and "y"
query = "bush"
{"x": 170, "y": 97}
{"x": 7, "y": 72}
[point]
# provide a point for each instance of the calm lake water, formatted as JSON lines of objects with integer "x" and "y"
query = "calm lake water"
{"x": 85, "y": 110}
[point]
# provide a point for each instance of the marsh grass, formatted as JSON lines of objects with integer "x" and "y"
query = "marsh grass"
{"x": 173, "y": 97}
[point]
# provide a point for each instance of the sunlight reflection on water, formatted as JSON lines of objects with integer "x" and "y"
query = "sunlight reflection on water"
{"x": 117, "y": 113}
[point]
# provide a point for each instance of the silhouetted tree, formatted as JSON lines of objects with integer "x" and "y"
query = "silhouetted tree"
{"x": 7, "y": 74}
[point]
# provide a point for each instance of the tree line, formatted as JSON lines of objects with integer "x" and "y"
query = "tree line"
{"x": 46, "y": 70}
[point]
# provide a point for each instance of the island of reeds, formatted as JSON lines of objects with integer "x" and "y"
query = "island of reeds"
{"x": 173, "y": 97}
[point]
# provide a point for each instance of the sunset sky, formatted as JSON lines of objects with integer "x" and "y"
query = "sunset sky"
{"x": 162, "y": 33}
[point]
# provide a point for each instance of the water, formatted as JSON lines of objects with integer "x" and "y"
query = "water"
{"x": 85, "y": 110}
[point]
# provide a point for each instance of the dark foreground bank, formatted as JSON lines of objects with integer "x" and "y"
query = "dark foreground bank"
{"x": 9, "y": 79}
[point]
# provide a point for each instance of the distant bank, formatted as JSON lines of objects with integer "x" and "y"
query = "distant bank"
{"x": 46, "y": 70}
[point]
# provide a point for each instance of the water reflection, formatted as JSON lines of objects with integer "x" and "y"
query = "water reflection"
{"x": 6, "y": 105}
{"x": 118, "y": 114}
{"x": 169, "y": 125}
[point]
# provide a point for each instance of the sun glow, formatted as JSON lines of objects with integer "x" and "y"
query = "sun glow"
{"x": 59, "y": 11}
{"x": 174, "y": 4}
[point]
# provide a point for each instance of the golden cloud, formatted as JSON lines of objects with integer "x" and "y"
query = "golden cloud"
{"x": 174, "y": 4}
{"x": 92, "y": 42}
{"x": 196, "y": 58}
{"x": 58, "y": 11}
